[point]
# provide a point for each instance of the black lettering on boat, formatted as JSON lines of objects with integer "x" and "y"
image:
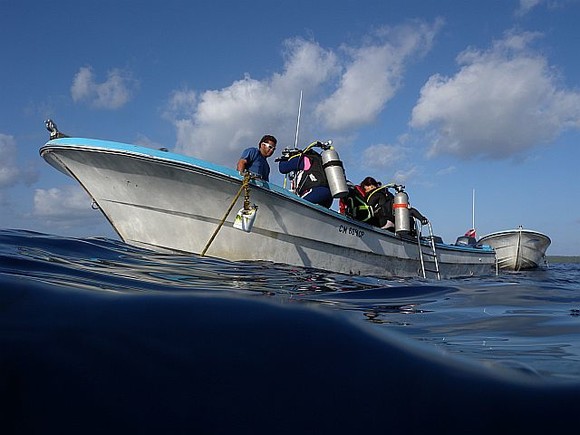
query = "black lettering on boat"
{"x": 351, "y": 231}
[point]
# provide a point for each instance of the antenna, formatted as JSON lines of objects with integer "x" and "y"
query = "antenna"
{"x": 296, "y": 136}
{"x": 298, "y": 121}
{"x": 473, "y": 210}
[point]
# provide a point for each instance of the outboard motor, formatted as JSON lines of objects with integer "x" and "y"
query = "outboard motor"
{"x": 402, "y": 215}
{"x": 466, "y": 241}
{"x": 334, "y": 171}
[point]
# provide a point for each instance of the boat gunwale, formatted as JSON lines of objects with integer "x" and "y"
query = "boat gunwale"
{"x": 514, "y": 232}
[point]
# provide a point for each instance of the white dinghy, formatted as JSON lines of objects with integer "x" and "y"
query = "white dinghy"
{"x": 518, "y": 249}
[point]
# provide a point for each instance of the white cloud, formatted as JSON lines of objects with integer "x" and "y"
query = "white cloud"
{"x": 501, "y": 102}
{"x": 374, "y": 75}
{"x": 217, "y": 123}
{"x": 341, "y": 90}
{"x": 181, "y": 105}
{"x": 110, "y": 94}
{"x": 446, "y": 171}
{"x": 145, "y": 141}
{"x": 403, "y": 175}
{"x": 383, "y": 156}
{"x": 9, "y": 172}
{"x": 526, "y": 6}
{"x": 66, "y": 209}
{"x": 67, "y": 204}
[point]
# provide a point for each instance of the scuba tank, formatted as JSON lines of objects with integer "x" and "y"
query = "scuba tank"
{"x": 402, "y": 215}
{"x": 334, "y": 172}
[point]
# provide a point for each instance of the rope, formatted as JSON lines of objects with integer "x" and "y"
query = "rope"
{"x": 244, "y": 186}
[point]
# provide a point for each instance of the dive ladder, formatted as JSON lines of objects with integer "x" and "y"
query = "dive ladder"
{"x": 427, "y": 253}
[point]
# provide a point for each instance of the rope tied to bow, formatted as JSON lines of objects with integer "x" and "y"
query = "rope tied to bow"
{"x": 245, "y": 187}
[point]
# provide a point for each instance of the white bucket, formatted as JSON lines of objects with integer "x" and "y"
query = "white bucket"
{"x": 244, "y": 220}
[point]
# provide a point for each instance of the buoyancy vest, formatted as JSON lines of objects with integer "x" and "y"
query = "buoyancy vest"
{"x": 313, "y": 173}
{"x": 381, "y": 202}
{"x": 355, "y": 205}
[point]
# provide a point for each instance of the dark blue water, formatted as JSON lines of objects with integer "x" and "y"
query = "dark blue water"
{"x": 97, "y": 336}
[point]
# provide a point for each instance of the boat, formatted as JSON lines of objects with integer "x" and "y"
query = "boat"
{"x": 518, "y": 249}
{"x": 173, "y": 203}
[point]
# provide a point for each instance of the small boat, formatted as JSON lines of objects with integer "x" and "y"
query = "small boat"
{"x": 518, "y": 249}
{"x": 174, "y": 203}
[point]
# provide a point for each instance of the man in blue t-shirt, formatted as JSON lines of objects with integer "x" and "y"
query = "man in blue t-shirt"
{"x": 254, "y": 159}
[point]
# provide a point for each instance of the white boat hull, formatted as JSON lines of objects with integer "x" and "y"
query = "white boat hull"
{"x": 167, "y": 202}
{"x": 518, "y": 249}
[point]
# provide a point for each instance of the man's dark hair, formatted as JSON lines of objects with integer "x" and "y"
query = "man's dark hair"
{"x": 268, "y": 138}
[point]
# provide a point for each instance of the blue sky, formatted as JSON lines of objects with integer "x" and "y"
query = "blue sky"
{"x": 446, "y": 97}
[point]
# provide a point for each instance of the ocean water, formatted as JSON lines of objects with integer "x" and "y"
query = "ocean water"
{"x": 97, "y": 336}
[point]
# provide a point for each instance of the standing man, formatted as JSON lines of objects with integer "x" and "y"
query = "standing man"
{"x": 254, "y": 159}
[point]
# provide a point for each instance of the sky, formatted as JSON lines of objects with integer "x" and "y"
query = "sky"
{"x": 473, "y": 105}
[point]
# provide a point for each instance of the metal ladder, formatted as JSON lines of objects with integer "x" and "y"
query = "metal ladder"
{"x": 429, "y": 252}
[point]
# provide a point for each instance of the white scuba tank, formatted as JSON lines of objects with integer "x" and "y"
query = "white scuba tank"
{"x": 402, "y": 214}
{"x": 334, "y": 171}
